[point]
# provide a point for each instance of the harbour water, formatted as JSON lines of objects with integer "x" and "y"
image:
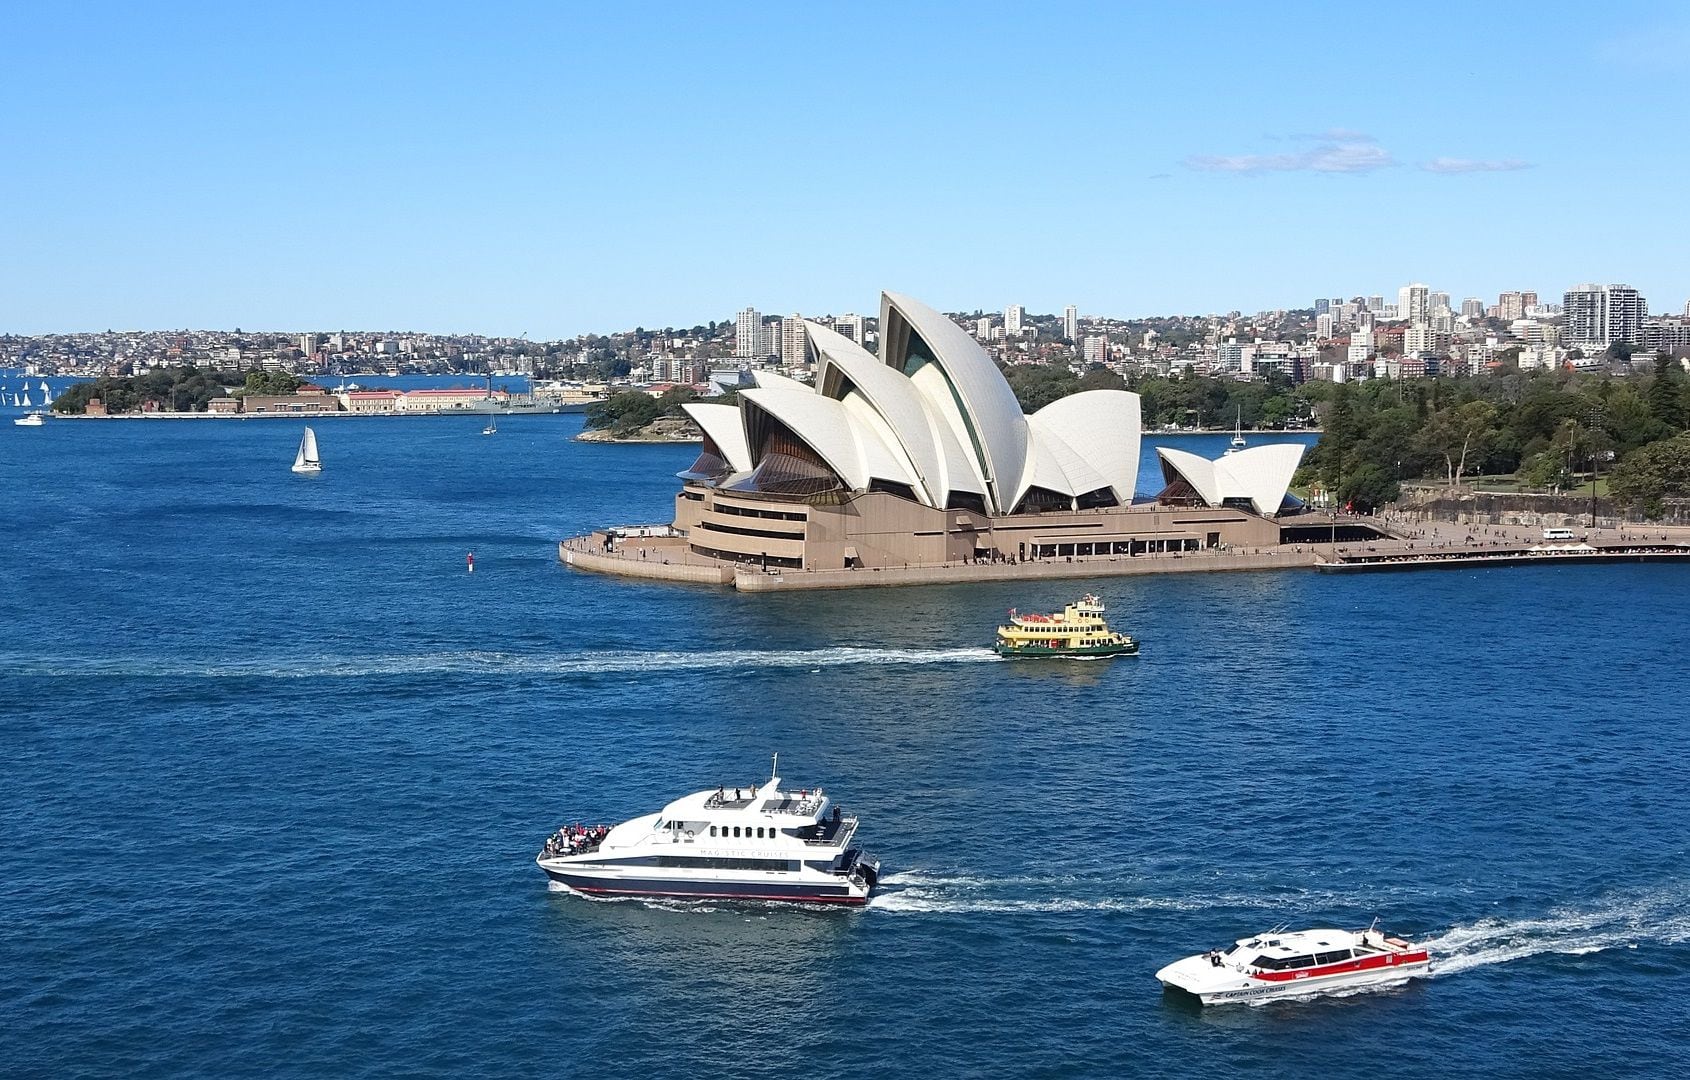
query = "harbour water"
{"x": 275, "y": 769}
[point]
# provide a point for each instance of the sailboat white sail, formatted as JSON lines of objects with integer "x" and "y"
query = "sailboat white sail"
{"x": 26, "y": 402}
{"x": 307, "y": 461}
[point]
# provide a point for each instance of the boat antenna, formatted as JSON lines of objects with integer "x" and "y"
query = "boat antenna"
{"x": 774, "y": 770}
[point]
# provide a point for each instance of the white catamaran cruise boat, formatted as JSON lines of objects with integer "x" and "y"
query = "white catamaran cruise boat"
{"x": 750, "y": 843}
{"x": 1297, "y": 963}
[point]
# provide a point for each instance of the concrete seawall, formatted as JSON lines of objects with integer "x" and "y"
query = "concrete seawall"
{"x": 1119, "y": 566}
{"x": 754, "y": 580}
{"x": 654, "y": 569}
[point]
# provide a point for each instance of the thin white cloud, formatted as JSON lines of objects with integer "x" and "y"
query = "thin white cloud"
{"x": 1468, "y": 165}
{"x": 1340, "y": 151}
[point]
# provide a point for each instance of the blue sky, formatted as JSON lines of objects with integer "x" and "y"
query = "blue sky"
{"x": 555, "y": 168}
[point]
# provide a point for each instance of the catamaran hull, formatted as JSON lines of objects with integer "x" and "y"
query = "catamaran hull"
{"x": 1251, "y": 991}
{"x": 667, "y": 888}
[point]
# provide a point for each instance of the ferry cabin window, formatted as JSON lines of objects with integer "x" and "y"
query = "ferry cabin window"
{"x": 1336, "y": 957}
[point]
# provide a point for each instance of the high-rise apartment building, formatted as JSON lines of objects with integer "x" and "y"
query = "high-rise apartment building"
{"x": 1511, "y": 306}
{"x": 1601, "y": 315}
{"x": 748, "y": 335}
{"x": 983, "y": 329}
{"x": 1414, "y": 303}
{"x": 1472, "y": 308}
{"x": 1439, "y": 304}
{"x": 1097, "y": 349}
{"x": 1071, "y": 323}
{"x": 794, "y": 342}
{"x": 1012, "y": 316}
{"x": 1323, "y": 326}
{"x": 850, "y": 326}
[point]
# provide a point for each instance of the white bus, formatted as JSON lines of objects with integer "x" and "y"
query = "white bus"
{"x": 1558, "y": 534}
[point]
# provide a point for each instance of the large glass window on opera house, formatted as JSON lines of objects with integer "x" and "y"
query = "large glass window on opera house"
{"x": 787, "y": 466}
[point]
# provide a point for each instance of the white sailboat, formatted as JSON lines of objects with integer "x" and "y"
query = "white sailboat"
{"x": 492, "y": 428}
{"x": 27, "y": 404}
{"x": 307, "y": 461}
{"x": 1238, "y": 433}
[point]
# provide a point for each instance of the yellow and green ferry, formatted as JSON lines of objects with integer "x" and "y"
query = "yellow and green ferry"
{"x": 1078, "y": 632}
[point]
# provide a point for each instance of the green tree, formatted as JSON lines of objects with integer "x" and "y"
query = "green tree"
{"x": 1666, "y": 399}
{"x": 623, "y": 414}
{"x": 1653, "y": 474}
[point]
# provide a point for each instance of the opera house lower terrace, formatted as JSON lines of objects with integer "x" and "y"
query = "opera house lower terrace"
{"x": 919, "y": 465}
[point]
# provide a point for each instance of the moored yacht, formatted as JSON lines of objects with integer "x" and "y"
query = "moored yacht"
{"x": 759, "y": 842}
{"x": 1296, "y": 963}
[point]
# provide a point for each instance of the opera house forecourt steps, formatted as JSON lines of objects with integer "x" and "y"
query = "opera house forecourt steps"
{"x": 918, "y": 466}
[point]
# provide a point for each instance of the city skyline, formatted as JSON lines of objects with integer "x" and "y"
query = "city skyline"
{"x": 557, "y": 174}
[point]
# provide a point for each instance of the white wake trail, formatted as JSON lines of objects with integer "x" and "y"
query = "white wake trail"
{"x": 478, "y": 662}
{"x": 1657, "y": 917}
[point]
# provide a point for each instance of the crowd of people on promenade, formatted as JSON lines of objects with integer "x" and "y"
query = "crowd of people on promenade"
{"x": 576, "y": 838}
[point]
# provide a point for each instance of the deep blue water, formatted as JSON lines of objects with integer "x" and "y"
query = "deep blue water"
{"x": 274, "y": 770}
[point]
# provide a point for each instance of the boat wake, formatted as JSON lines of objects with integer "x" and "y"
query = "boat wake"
{"x": 921, "y": 892}
{"x": 933, "y": 892}
{"x": 478, "y": 662}
{"x": 1659, "y": 917}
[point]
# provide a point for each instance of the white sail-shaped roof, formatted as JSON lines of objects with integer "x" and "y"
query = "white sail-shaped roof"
{"x": 933, "y": 414}
{"x": 722, "y": 424}
{"x": 841, "y": 361}
{"x": 1053, "y": 465}
{"x": 768, "y": 380}
{"x": 1260, "y": 475}
{"x": 1100, "y": 427}
{"x": 853, "y": 447}
{"x": 994, "y": 426}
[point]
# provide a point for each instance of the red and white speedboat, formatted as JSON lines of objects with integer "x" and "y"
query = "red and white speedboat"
{"x": 1296, "y": 963}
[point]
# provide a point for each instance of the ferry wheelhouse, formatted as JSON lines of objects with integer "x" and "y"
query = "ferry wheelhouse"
{"x": 1078, "y": 631}
{"x": 756, "y": 842}
{"x": 1280, "y": 964}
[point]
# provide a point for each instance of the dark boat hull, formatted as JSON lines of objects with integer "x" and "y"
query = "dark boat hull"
{"x": 668, "y": 888}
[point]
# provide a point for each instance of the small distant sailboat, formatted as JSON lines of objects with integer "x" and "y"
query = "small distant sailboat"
{"x": 1237, "y": 433}
{"x": 492, "y": 428}
{"x": 307, "y": 461}
{"x": 25, "y": 403}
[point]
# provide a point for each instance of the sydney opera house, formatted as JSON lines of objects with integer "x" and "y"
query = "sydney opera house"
{"x": 922, "y": 456}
